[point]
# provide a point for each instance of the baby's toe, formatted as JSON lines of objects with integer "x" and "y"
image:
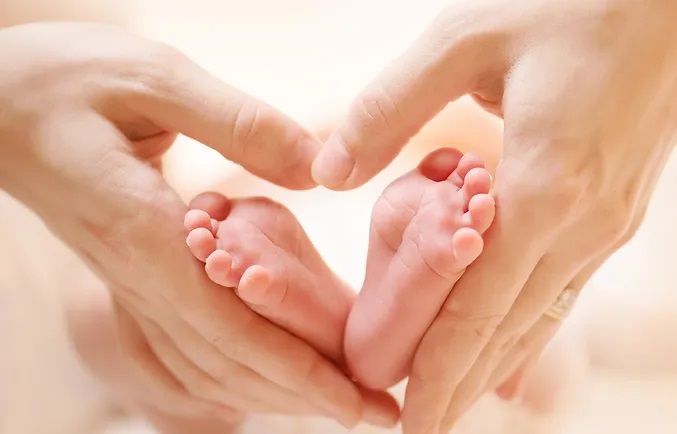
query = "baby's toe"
{"x": 477, "y": 181}
{"x": 218, "y": 267}
{"x": 439, "y": 164}
{"x": 467, "y": 246}
{"x": 468, "y": 162}
{"x": 480, "y": 215}
{"x": 197, "y": 218}
{"x": 255, "y": 287}
{"x": 214, "y": 204}
{"x": 201, "y": 243}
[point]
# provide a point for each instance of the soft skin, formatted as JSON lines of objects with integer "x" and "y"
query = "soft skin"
{"x": 588, "y": 93}
{"x": 86, "y": 113}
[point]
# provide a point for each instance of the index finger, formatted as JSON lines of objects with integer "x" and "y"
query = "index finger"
{"x": 239, "y": 334}
{"x": 441, "y": 66}
{"x": 179, "y": 96}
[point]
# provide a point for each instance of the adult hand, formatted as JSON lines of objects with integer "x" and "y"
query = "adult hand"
{"x": 86, "y": 111}
{"x": 588, "y": 93}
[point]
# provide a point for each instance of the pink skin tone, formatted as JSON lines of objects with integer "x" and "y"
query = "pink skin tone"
{"x": 257, "y": 246}
{"x": 426, "y": 228}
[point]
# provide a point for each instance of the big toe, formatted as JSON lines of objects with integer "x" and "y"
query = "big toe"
{"x": 440, "y": 164}
{"x": 467, "y": 163}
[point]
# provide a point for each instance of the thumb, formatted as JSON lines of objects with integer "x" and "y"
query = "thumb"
{"x": 443, "y": 64}
{"x": 189, "y": 100}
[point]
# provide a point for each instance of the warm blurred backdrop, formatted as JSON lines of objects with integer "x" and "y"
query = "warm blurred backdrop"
{"x": 309, "y": 58}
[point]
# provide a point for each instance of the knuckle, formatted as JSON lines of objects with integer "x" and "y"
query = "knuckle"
{"x": 224, "y": 377}
{"x": 618, "y": 225}
{"x": 195, "y": 384}
{"x": 244, "y": 125}
{"x": 633, "y": 227}
{"x": 451, "y": 22}
{"x": 231, "y": 348}
{"x": 459, "y": 28}
{"x": 259, "y": 129}
{"x": 378, "y": 106}
{"x": 514, "y": 342}
{"x": 157, "y": 70}
{"x": 166, "y": 54}
{"x": 312, "y": 368}
{"x": 562, "y": 194}
{"x": 544, "y": 190}
{"x": 464, "y": 320}
{"x": 614, "y": 221}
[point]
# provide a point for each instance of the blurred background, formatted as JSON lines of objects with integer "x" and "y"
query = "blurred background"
{"x": 613, "y": 368}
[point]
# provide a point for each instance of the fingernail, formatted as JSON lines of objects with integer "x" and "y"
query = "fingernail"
{"x": 508, "y": 393}
{"x": 333, "y": 165}
{"x": 298, "y": 174}
{"x": 378, "y": 418}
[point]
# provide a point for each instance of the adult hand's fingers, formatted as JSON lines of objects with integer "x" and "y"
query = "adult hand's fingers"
{"x": 170, "y": 423}
{"x": 179, "y": 96}
{"x": 445, "y": 63}
{"x": 218, "y": 316}
{"x": 270, "y": 351}
{"x": 522, "y": 358}
{"x": 531, "y": 345}
{"x": 536, "y": 295}
{"x": 231, "y": 384}
{"x": 477, "y": 304}
{"x": 508, "y": 360}
{"x": 161, "y": 389}
{"x": 530, "y": 161}
{"x": 486, "y": 292}
{"x": 380, "y": 408}
{"x": 548, "y": 279}
{"x": 237, "y": 333}
{"x": 605, "y": 228}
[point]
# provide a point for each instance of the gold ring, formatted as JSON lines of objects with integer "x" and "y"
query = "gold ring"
{"x": 562, "y": 305}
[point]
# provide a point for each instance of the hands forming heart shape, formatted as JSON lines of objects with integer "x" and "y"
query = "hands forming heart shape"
{"x": 83, "y": 129}
{"x": 426, "y": 229}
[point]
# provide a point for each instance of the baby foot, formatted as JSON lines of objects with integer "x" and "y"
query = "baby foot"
{"x": 426, "y": 229}
{"x": 258, "y": 247}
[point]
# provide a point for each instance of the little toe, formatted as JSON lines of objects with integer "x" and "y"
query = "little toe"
{"x": 214, "y": 204}
{"x": 467, "y": 246}
{"x": 218, "y": 267}
{"x": 196, "y": 218}
{"x": 439, "y": 164}
{"x": 255, "y": 287}
{"x": 201, "y": 243}
{"x": 476, "y": 181}
{"x": 481, "y": 211}
{"x": 468, "y": 162}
